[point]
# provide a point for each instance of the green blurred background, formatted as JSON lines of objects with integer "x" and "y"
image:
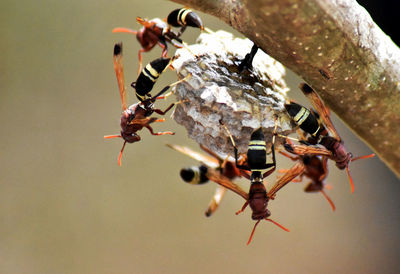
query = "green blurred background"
{"x": 66, "y": 206}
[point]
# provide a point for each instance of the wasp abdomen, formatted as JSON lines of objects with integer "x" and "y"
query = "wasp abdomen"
{"x": 194, "y": 175}
{"x": 256, "y": 155}
{"x": 149, "y": 75}
{"x": 303, "y": 118}
{"x": 184, "y": 17}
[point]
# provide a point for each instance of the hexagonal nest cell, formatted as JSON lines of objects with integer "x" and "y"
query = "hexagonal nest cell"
{"x": 217, "y": 92}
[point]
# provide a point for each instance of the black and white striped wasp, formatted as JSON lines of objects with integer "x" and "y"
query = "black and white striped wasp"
{"x": 197, "y": 175}
{"x": 315, "y": 167}
{"x": 321, "y": 130}
{"x": 157, "y": 31}
{"x": 256, "y": 163}
{"x": 136, "y": 116}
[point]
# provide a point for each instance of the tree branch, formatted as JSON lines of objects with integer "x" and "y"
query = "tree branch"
{"x": 337, "y": 49}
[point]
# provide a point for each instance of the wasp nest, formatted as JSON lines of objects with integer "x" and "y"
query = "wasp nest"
{"x": 217, "y": 92}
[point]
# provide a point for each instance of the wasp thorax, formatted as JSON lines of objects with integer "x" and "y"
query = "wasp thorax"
{"x": 259, "y": 207}
{"x": 258, "y": 200}
{"x": 217, "y": 92}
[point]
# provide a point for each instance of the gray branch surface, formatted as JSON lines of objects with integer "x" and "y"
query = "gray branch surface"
{"x": 338, "y": 50}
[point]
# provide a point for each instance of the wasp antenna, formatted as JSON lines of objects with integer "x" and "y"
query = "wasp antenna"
{"x": 112, "y": 136}
{"x": 209, "y": 31}
{"x": 126, "y": 30}
{"x": 120, "y": 154}
{"x": 351, "y": 180}
{"x": 277, "y": 224}
{"x": 363, "y": 157}
{"x": 328, "y": 199}
{"x": 252, "y": 232}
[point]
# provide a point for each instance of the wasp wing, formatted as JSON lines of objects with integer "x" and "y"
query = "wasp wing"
{"x": 303, "y": 149}
{"x": 216, "y": 200}
{"x": 320, "y": 107}
{"x": 222, "y": 180}
{"x": 119, "y": 72}
{"x": 143, "y": 122}
{"x": 208, "y": 160}
{"x": 292, "y": 173}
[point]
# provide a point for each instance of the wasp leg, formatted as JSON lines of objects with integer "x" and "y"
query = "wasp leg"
{"x": 248, "y": 59}
{"x": 159, "y": 133}
{"x": 293, "y": 158}
{"x": 159, "y": 111}
{"x": 164, "y": 47}
{"x": 140, "y": 59}
{"x": 181, "y": 31}
{"x": 243, "y": 208}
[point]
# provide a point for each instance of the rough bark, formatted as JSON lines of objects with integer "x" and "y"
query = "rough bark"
{"x": 337, "y": 49}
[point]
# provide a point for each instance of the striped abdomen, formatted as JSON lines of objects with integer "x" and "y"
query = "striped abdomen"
{"x": 303, "y": 118}
{"x": 257, "y": 151}
{"x": 149, "y": 75}
{"x": 194, "y": 175}
{"x": 184, "y": 17}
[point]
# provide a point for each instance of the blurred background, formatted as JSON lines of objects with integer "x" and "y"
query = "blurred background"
{"x": 67, "y": 207}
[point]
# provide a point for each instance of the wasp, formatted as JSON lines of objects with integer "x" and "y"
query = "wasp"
{"x": 257, "y": 197}
{"x": 157, "y": 31}
{"x": 196, "y": 175}
{"x": 256, "y": 163}
{"x": 315, "y": 168}
{"x": 136, "y": 116}
{"x": 319, "y": 126}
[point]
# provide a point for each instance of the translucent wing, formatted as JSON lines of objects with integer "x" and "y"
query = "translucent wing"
{"x": 292, "y": 173}
{"x": 320, "y": 107}
{"x": 208, "y": 160}
{"x": 216, "y": 200}
{"x": 303, "y": 149}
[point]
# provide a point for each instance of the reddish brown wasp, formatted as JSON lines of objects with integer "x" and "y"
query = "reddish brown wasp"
{"x": 256, "y": 162}
{"x": 257, "y": 197}
{"x": 197, "y": 175}
{"x": 310, "y": 122}
{"x": 156, "y": 31}
{"x": 315, "y": 168}
{"x": 135, "y": 117}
